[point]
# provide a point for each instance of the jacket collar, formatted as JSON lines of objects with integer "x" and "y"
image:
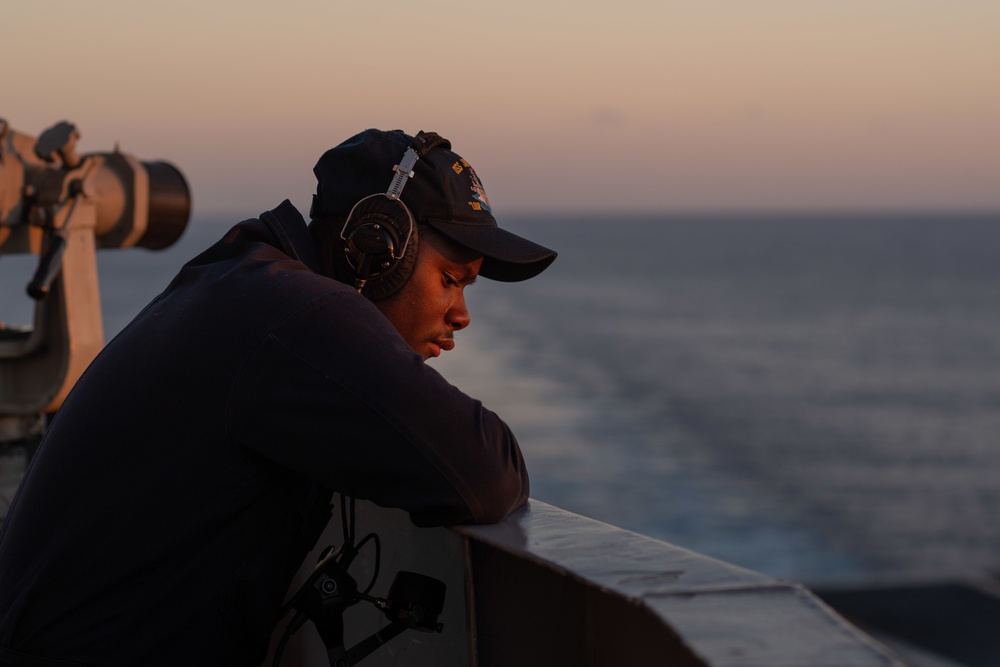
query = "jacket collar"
{"x": 289, "y": 227}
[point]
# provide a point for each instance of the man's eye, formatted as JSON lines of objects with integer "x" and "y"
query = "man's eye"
{"x": 449, "y": 281}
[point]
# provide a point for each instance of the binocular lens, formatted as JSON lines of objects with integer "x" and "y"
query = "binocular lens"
{"x": 169, "y": 206}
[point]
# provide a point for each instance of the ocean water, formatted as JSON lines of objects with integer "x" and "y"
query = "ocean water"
{"x": 816, "y": 397}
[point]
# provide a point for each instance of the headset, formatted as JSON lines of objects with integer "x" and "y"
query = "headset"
{"x": 380, "y": 234}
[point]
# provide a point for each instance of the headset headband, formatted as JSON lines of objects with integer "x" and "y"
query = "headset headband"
{"x": 422, "y": 143}
{"x": 404, "y": 171}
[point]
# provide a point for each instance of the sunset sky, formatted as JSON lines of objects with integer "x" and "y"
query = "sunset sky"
{"x": 633, "y": 105}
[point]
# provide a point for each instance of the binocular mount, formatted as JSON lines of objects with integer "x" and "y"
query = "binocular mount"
{"x": 63, "y": 206}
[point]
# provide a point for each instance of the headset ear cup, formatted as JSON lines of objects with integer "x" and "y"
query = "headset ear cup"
{"x": 376, "y": 232}
{"x": 389, "y": 283}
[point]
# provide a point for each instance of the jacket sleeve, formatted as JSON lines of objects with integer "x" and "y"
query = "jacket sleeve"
{"x": 334, "y": 393}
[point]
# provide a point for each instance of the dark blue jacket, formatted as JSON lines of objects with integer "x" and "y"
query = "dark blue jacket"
{"x": 190, "y": 470}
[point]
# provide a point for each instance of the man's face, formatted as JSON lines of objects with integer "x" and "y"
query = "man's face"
{"x": 430, "y": 307}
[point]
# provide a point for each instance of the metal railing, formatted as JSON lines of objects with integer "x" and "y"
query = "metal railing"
{"x": 548, "y": 587}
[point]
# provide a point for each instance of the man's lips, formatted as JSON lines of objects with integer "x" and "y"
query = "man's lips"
{"x": 439, "y": 344}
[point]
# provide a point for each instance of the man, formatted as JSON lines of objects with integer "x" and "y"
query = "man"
{"x": 191, "y": 469}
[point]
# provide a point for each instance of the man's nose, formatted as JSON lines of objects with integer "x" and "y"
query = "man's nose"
{"x": 458, "y": 314}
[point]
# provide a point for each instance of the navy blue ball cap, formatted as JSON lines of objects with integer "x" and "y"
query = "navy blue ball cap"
{"x": 445, "y": 193}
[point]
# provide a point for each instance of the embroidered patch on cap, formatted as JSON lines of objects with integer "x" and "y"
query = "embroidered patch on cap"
{"x": 478, "y": 193}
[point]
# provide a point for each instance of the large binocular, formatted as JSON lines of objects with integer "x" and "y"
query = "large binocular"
{"x": 63, "y": 205}
{"x": 46, "y": 184}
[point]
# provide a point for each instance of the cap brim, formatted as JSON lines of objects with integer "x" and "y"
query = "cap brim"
{"x": 507, "y": 257}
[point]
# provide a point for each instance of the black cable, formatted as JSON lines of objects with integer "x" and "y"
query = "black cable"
{"x": 353, "y": 516}
{"x": 346, "y": 553}
{"x": 343, "y": 521}
{"x": 378, "y": 558}
{"x": 290, "y": 630}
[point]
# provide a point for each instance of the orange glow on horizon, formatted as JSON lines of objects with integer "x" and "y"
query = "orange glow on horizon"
{"x": 639, "y": 105}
